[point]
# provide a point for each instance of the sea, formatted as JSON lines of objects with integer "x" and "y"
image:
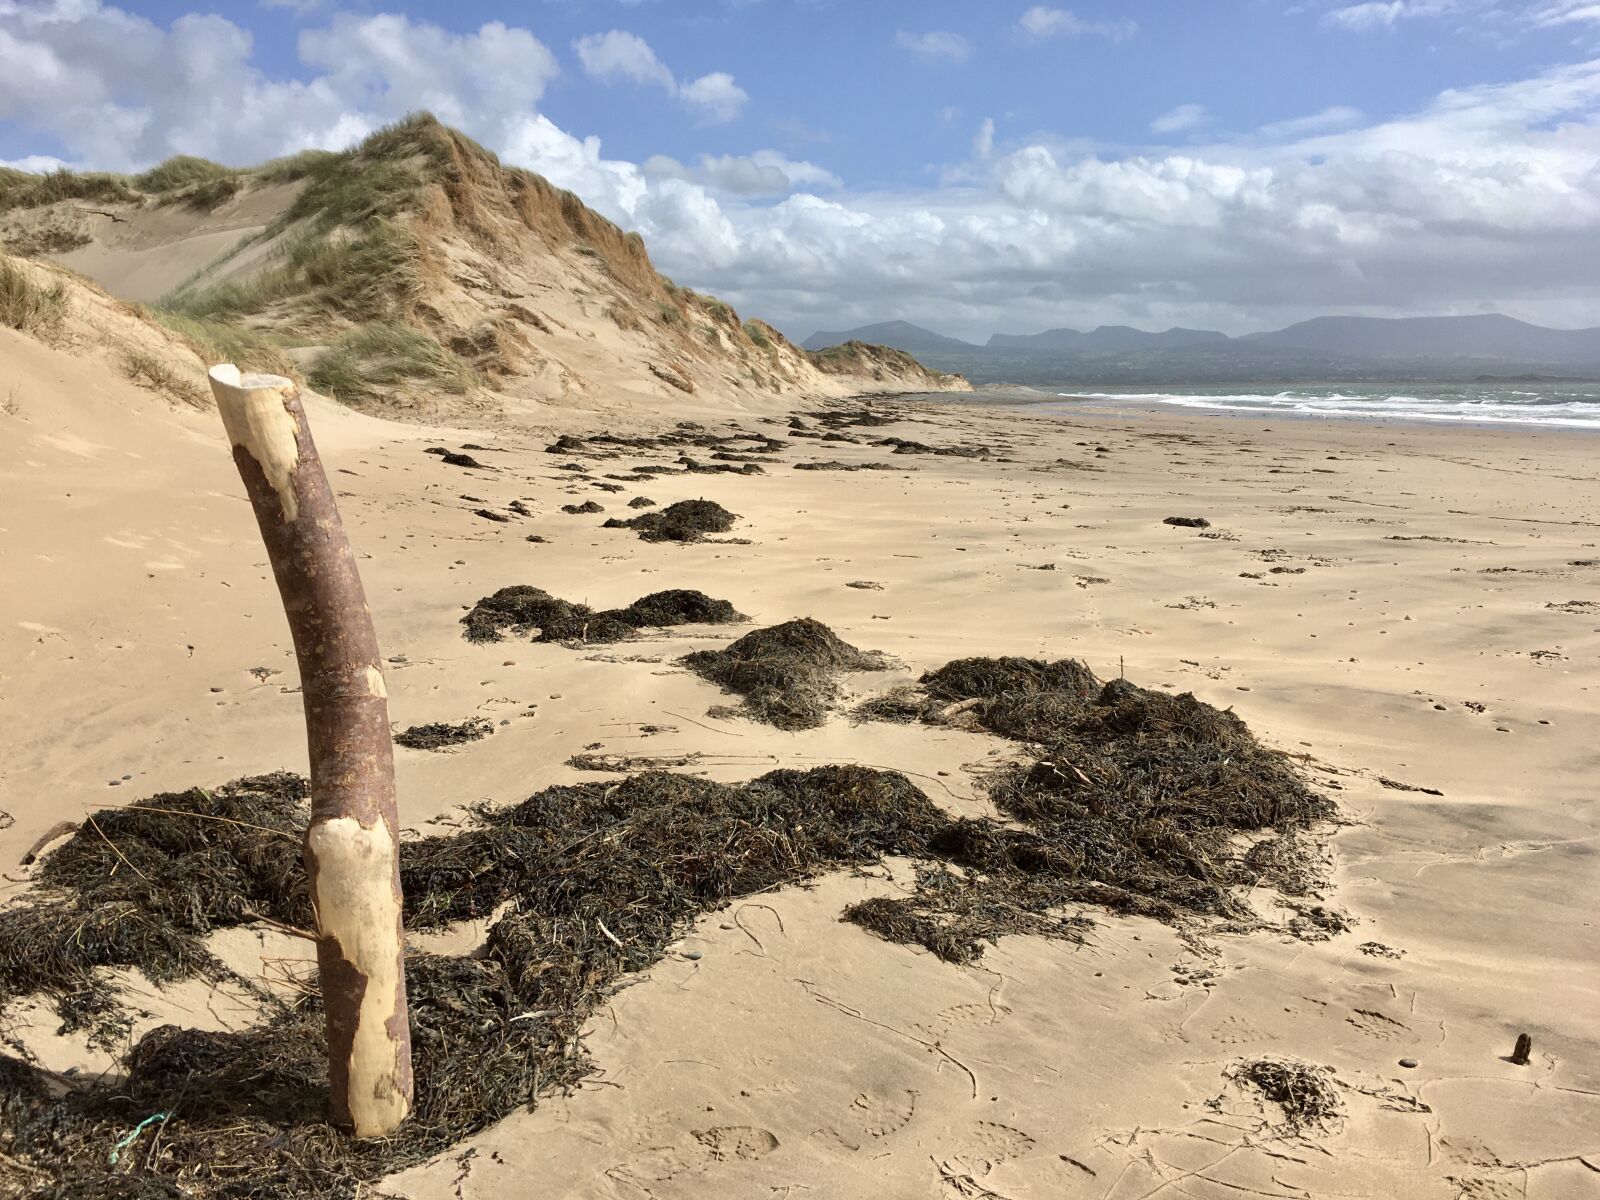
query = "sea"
{"x": 1543, "y": 405}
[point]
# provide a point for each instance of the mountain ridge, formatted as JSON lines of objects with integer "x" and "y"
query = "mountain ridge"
{"x": 1322, "y": 348}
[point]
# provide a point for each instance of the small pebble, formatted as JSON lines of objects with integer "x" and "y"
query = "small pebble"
{"x": 1408, "y": 1062}
{"x": 692, "y": 955}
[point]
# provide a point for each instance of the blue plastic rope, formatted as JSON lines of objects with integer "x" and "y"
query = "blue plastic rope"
{"x": 116, "y": 1151}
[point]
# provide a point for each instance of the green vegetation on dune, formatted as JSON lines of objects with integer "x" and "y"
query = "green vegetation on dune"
{"x": 291, "y": 167}
{"x": 225, "y": 342}
{"x": 371, "y": 275}
{"x": 203, "y": 197}
{"x": 348, "y": 254}
{"x": 372, "y": 358}
{"x": 182, "y": 171}
{"x": 757, "y": 335}
{"x": 158, "y": 376}
{"x": 20, "y": 189}
{"x": 28, "y": 305}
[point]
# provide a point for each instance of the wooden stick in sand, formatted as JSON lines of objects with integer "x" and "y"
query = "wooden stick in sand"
{"x": 351, "y": 845}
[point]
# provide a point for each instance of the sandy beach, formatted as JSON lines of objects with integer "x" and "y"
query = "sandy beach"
{"x": 1413, "y": 611}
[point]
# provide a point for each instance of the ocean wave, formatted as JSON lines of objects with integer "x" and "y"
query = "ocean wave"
{"x": 1564, "y": 409}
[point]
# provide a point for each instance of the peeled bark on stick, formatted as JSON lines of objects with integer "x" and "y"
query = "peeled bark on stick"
{"x": 351, "y": 846}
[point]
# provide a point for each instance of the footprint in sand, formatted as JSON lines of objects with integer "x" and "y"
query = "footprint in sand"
{"x": 1232, "y": 1031}
{"x": 724, "y": 1142}
{"x": 881, "y": 1116}
{"x": 992, "y": 1145}
{"x": 719, "y": 1144}
{"x": 1376, "y": 1025}
{"x": 960, "y": 1016}
{"x": 869, "y": 1118}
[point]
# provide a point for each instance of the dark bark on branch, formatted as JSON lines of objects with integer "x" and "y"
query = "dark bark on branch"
{"x": 351, "y": 847}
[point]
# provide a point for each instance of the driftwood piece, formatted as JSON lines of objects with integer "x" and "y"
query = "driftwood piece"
{"x": 351, "y": 843}
{"x": 1522, "y": 1053}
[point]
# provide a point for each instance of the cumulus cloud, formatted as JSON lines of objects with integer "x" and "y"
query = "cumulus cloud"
{"x": 764, "y": 173}
{"x": 936, "y": 43}
{"x": 1484, "y": 193}
{"x": 716, "y": 96}
{"x": 1180, "y": 119}
{"x": 121, "y": 91}
{"x": 622, "y": 56}
{"x": 1041, "y": 21}
{"x": 616, "y": 55}
{"x": 36, "y": 164}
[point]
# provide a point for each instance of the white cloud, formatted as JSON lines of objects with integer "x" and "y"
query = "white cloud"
{"x": 616, "y": 55}
{"x": 764, "y": 173}
{"x": 1044, "y": 22}
{"x": 619, "y": 55}
{"x": 716, "y": 96}
{"x": 1567, "y": 12}
{"x": 937, "y": 43}
{"x": 983, "y": 141}
{"x": 1182, "y": 118}
{"x": 1361, "y": 17}
{"x": 1338, "y": 116}
{"x": 1384, "y": 14}
{"x": 122, "y": 92}
{"x": 36, "y": 164}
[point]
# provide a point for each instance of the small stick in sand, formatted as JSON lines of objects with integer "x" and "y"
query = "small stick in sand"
{"x": 351, "y": 845}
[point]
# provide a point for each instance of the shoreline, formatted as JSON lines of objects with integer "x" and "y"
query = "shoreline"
{"x": 1114, "y": 406}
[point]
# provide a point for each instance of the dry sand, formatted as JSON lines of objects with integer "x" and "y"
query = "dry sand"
{"x": 1406, "y": 634}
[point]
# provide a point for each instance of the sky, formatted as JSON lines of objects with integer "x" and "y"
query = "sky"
{"x": 969, "y": 165}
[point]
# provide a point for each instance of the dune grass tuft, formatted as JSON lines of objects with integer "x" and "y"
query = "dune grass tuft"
{"x": 29, "y": 305}
{"x": 291, "y": 167}
{"x": 156, "y": 374}
{"x": 181, "y": 171}
{"x": 371, "y": 276}
{"x": 365, "y": 362}
{"x": 223, "y": 342}
{"x": 24, "y": 190}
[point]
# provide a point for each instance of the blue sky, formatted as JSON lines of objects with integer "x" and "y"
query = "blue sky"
{"x": 968, "y": 165}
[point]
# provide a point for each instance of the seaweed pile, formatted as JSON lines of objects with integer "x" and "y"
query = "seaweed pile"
{"x": 142, "y": 886}
{"x": 1134, "y": 799}
{"x": 685, "y": 521}
{"x": 787, "y": 673}
{"x": 845, "y": 418}
{"x": 526, "y": 610}
{"x": 602, "y": 878}
{"x": 905, "y": 446}
{"x": 439, "y": 734}
{"x": 687, "y": 433}
{"x": 1303, "y": 1093}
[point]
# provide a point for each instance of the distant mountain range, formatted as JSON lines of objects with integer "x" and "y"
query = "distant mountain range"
{"x": 900, "y": 335}
{"x": 1330, "y": 348}
{"x": 1108, "y": 339}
